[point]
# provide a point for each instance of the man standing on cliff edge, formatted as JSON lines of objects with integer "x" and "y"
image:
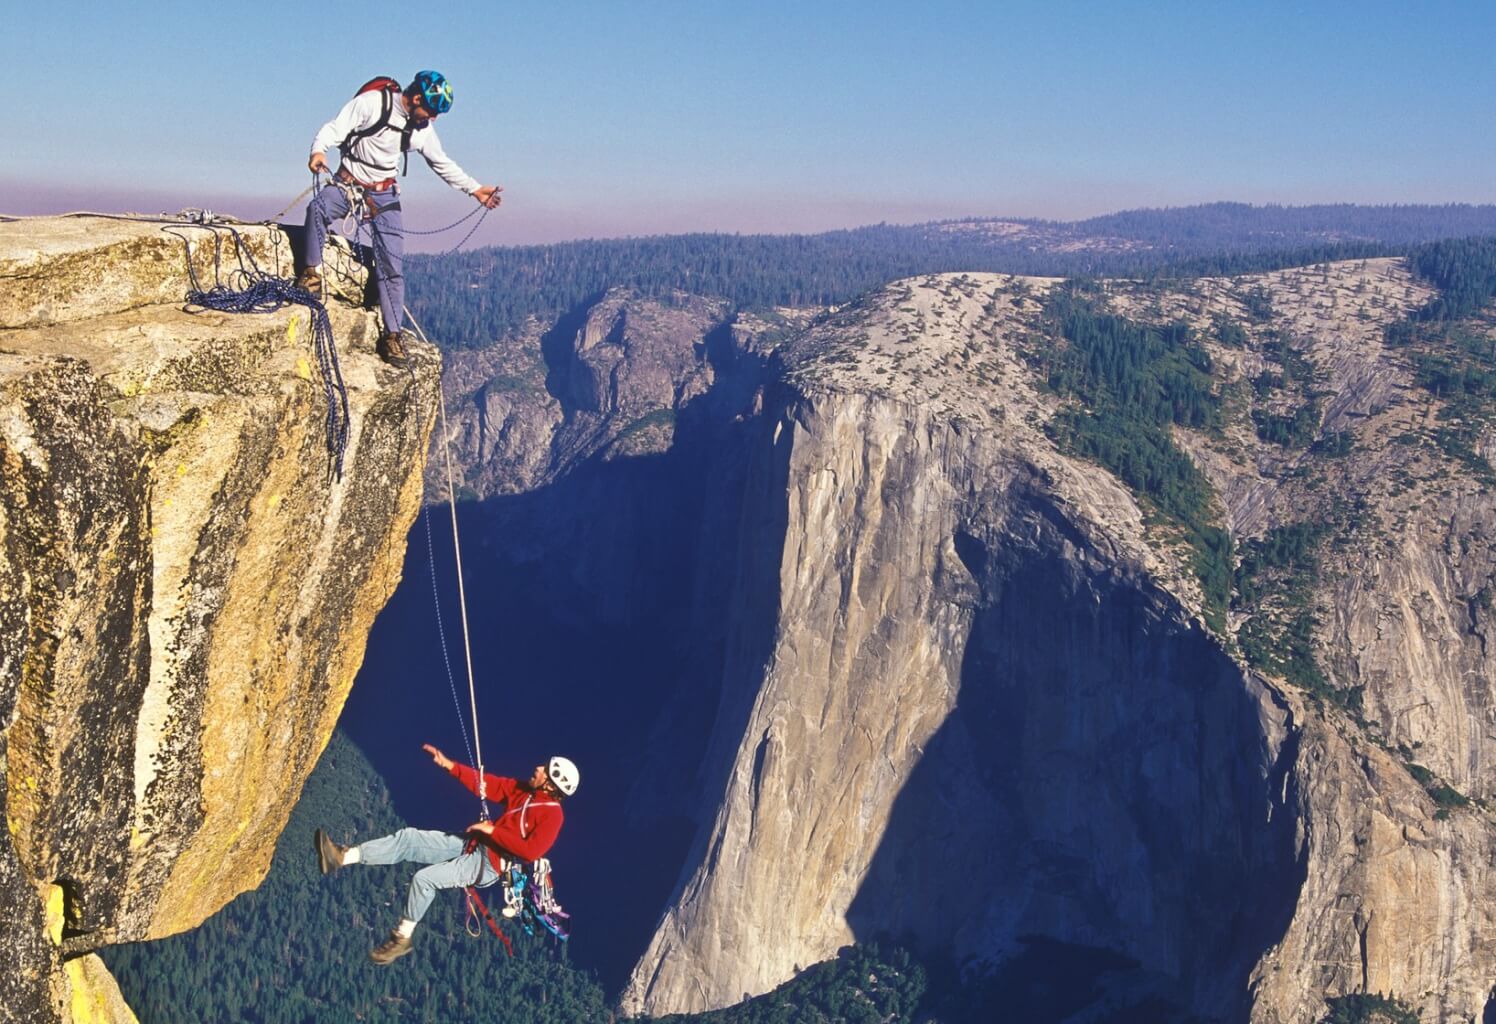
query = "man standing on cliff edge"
{"x": 373, "y": 129}
{"x": 525, "y": 830}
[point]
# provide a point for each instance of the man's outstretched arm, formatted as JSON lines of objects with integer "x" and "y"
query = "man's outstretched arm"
{"x": 485, "y": 787}
{"x": 442, "y": 760}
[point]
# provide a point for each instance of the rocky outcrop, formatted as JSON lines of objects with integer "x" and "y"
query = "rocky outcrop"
{"x": 969, "y": 694}
{"x": 956, "y": 646}
{"x": 608, "y": 380}
{"x": 185, "y": 588}
{"x": 958, "y": 621}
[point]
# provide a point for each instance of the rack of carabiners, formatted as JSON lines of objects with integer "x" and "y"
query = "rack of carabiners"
{"x": 529, "y": 899}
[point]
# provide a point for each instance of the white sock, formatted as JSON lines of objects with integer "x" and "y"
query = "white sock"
{"x": 350, "y": 855}
{"x": 405, "y": 928}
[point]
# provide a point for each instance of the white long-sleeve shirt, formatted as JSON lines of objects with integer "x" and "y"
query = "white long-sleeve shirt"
{"x": 377, "y": 157}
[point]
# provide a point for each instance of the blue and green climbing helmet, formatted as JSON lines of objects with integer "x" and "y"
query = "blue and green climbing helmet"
{"x": 435, "y": 91}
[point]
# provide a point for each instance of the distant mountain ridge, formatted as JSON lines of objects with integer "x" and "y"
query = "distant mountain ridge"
{"x": 1243, "y": 223}
{"x": 1226, "y": 227}
{"x": 470, "y": 299}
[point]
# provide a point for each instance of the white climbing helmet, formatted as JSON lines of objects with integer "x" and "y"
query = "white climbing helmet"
{"x": 564, "y": 774}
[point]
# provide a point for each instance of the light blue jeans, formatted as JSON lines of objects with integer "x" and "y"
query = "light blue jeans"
{"x": 450, "y": 867}
{"x": 331, "y": 204}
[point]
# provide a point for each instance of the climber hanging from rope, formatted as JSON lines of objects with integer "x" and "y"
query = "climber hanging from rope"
{"x": 372, "y": 131}
{"x": 524, "y": 831}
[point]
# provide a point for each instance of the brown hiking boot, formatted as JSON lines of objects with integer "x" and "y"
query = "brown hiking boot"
{"x": 391, "y": 348}
{"x": 329, "y": 853}
{"x": 393, "y": 948}
{"x": 311, "y": 281}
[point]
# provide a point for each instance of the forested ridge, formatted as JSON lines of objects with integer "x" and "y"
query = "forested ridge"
{"x": 469, "y": 299}
{"x": 1134, "y": 382}
{"x": 294, "y": 951}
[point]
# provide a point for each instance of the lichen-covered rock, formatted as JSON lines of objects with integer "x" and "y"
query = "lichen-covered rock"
{"x": 185, "y": 588}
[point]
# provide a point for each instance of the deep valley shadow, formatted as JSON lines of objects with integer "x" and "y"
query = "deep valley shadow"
{"x": 600, "y": 622}
{"x": 1103, "y": 784}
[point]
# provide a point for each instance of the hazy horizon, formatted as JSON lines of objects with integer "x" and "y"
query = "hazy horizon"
{"x": 557, "y": 229}
{"x": 603, "y": 120}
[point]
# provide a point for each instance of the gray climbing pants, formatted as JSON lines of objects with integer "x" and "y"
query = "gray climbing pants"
{"x": 450, "y": 868}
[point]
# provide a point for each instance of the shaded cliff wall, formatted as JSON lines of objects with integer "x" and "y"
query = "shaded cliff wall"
{"x": 986, "y": 631}
{"x": 971, "y": 721}
{"x": 186, "y": 590}
{"x": 597, "y": 572}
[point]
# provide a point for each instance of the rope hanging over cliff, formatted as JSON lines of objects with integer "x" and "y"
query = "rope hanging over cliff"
{"x": 263, "y": 292}
{"x": 467, "y": 646}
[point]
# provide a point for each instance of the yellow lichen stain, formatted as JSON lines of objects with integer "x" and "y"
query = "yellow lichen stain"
{"x": 54, "y": 914}
{"x": 87, "y": 1002}
{"x": 181, "y": 469}
{"x": 291, "y": 330}
{"x": 137, "y": 837}
{"x": 30, "y": 783}
{"x": 303, "y": 368}
{"x": 81, "y": 1008}
{"x": 274, "y": 502}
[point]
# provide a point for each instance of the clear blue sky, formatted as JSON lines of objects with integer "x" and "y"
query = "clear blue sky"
{"x": 607, "y": 118}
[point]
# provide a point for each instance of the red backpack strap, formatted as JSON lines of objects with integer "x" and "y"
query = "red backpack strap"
{"x": 384, "y": 82}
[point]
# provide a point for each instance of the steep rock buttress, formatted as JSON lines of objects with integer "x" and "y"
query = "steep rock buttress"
{"x": 185, "y": 589}
{"x": 971, "y": 694}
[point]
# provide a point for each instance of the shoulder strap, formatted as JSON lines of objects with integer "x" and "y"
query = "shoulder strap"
{"x": 358, "y": 135}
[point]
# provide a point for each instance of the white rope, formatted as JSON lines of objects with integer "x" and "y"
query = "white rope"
{"x": 441, "y": 634}
{"x": 467, "y": 647}
{"x": 310, "y": 188}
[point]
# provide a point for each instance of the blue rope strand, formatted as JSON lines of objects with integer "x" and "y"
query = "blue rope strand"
{"x": 261, "y": 292}
{"x": 442, "y": 633}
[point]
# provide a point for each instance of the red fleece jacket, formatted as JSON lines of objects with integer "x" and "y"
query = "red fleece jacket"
{"x": 530, "y": 822}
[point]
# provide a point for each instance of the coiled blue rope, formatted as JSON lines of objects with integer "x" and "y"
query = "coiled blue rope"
{"x": 260, "y": 292}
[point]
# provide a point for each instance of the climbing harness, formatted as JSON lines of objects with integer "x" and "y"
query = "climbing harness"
{"x": 541, "y": 905}
{"x": 359, "y": 207}
{"x": 529, "y": 900}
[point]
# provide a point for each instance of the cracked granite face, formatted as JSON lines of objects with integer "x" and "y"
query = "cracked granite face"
{"x": 187, "y": 589}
